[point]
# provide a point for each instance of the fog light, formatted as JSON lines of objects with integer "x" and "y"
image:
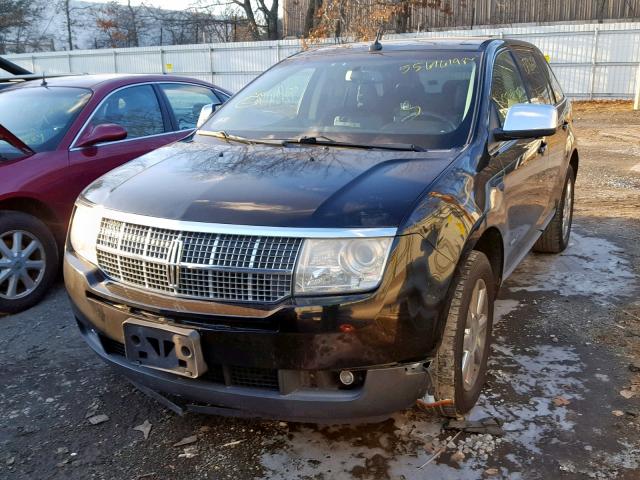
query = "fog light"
{"x": 346, "y": 377}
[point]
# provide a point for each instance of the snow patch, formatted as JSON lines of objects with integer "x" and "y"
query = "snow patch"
{"x": 590, "y": 266}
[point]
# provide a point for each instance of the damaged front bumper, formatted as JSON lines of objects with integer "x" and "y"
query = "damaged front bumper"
{"x": 287, "y": 373}
{"x": 383, "y": 391}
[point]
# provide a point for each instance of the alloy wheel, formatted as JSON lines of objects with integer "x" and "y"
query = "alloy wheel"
{"x": 475, "y": 334}
{"x": 567, "y": 209}
{"x": 22, "y": 264}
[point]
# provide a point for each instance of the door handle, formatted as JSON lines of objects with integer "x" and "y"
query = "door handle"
{"x": 542, "y": 148}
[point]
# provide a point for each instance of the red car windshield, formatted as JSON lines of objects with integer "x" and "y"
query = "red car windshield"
{"x": 40, "y": 116}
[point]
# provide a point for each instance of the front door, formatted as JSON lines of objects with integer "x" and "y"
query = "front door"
{"x": 137, "y": 109}
{"x": 534, "y": 72}
{"x": 524, "y": 163}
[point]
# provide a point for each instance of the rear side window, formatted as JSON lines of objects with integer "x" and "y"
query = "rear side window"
{"x": 535, "y": 76}
{"x": 186, "y": 101}
{"x": 135, "y": 108}
{"x": 507, "y": 87}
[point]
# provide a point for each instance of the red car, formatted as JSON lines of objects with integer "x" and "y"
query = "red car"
{"x": 57, "y": 136}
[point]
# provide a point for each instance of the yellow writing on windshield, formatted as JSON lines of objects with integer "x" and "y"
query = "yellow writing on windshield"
{"x": 435, "y": 64}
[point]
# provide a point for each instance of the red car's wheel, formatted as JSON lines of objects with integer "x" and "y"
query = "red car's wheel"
{"x": 28, "y": 261}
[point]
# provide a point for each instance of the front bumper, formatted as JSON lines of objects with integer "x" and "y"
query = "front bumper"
{"x": 395, "y": 331}
{"x": 385, "y": 390}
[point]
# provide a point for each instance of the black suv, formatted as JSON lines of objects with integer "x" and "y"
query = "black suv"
{"x": 329, "y": 244}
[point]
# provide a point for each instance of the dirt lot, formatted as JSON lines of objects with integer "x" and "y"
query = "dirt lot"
{"x": 565, "y": 381}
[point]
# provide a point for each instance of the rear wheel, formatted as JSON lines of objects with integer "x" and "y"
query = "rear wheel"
{"x": 461, "y": 363}
{"x": 555, "y": 237}
{"x": 28, "y": 261}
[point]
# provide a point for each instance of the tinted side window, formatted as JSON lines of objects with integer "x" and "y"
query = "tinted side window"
{"x": 186, "y": 101}
{"x": 535, "y": 76}
{"x": 223, "y": 96}
{"x": 135, "y": 108}
{"x": 507, "y": 87}
{"x": 555, "y": 85}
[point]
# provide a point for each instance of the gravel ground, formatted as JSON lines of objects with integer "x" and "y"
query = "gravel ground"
{"x": 564, "y": 381}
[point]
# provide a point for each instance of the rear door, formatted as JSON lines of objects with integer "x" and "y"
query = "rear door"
{"x": 138, "y": 109}
{"x": 558, "y": 163}
{"x": 523, "y": 162}
{"x": 534, "y": 72}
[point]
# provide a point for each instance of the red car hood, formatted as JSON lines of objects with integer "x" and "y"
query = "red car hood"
{"x": 10, "y": 138}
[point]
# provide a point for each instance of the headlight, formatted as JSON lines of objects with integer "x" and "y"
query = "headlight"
{"x": 341, "y": 265}
{"x": 84, "y": 231}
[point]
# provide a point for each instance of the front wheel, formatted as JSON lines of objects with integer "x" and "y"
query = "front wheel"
{"x": 460, "y": 366}
{"x": 28, "y": 261}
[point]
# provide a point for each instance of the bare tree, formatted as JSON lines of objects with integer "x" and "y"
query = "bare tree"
{"x": 261, "y": 15}
{"x": 361, "y": 19}
{"x": 68, "y": 10}
{"x": 17, "y": 18}
{"x": 133, "y": 25}
{"x": 73, "y": 18}
{"x": 251, "y": 18}
{"x": 311, "y": 16}
{"x": 118, "y": 25}
{"x": 270, "y": 14}
{"x": 67, "y": 17}
{"x": 194, "y": 25}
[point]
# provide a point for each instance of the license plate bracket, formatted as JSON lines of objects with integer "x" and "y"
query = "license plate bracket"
{"x": 164, "y": 347}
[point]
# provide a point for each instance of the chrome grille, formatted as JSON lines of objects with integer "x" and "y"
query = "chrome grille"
{"x": 242, "y": 268}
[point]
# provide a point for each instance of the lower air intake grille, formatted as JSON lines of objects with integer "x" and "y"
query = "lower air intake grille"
{"x": 112, "y": 347}
{"x": 264, "y": 378}
{"x": 255, "y": 377}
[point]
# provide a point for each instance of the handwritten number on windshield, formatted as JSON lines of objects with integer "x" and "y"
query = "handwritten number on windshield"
{"x": 435, "y": 64}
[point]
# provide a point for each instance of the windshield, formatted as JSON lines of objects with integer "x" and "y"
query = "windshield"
{"x": 423, "y": 98}
{"x": 40, "y": 116}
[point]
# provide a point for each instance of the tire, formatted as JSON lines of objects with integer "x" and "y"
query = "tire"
{"x": 39, "y": 260}
{"x": 555, "y": 237}
{"x": 454, "y": 395}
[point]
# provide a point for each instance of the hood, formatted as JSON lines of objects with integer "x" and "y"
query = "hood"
{"x": 14, "y": 141}
{"x": 210, "y": 180}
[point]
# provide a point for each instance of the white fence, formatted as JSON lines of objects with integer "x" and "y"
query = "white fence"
{"x": 590, "y": 60}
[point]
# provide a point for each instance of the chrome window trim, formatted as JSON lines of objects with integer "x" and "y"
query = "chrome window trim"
{"x": 262, "y": 231}
{"x": 116, "y": 142}
{"x": 73, "y": 147}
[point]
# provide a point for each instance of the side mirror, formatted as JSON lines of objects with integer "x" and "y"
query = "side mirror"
{"x": 528, "y": 120}
{"x": 205, "y": 114}
{"x": 105, "y": 132}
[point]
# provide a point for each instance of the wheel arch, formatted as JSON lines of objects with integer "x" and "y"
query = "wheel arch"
{"x": 34, "y": 207}
{"x": 489, "y": 240}
{"x": 574, "y": 161}
{"x": 491, "y": 243}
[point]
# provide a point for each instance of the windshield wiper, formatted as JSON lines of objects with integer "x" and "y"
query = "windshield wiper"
{"x": 311, "y": 140}
{"x": 326, "y": 141}
{"x": 236, "y": 138}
